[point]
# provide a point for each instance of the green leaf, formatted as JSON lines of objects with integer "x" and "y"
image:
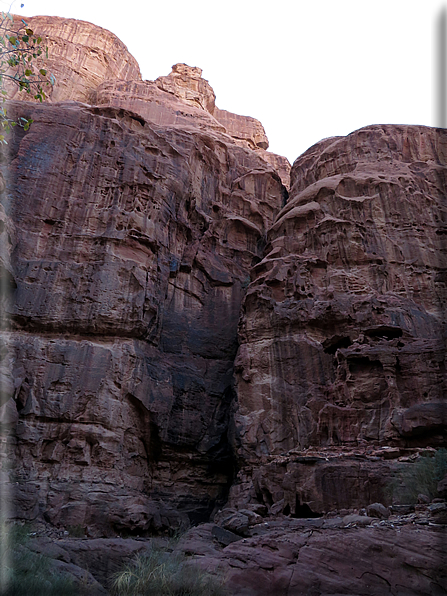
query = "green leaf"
{"x": 25, "y": 38}
{"x": 26, "y": 127}
{"x": 43, "y": 72}
{"x": 29, "y": 32}
{"x": 12, "y": 40}
{"x": 39, "y": 39}
{"x": 28, "y": 72}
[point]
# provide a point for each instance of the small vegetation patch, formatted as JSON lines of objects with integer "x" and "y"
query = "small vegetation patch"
{"x": 76, "y": 531}
{"x": 162, "y": 573}
{"x": 420, "y": 477}
{"x": 26, "y": 573}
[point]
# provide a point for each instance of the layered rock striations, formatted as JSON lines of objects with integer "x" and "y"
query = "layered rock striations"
{"x": 140, "y": 225}
{"x": 342, "y": 334}
{"x": 81, "y": 56}
{"x": 184, "y": 98}
{"x": 133, "y": 246}
{"x": 89, "y": 64}
{"x": 132, "y": 237}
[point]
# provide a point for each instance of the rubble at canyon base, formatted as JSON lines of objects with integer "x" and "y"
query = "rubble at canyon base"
{"x": 202, "y": 339}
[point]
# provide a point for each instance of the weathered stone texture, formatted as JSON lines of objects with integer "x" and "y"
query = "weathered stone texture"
{"x": 248, "y": 131}
{"x": 133, "y": 246}
{"x": 342, "y": 335}
{"x": 186, "y": 83}
{"x": 140, "y": 224}
{"x": 297, "y": 557}
{"x": 154, "y": 104}
{"x": 81, "y": 56}
{"x": 184, "y": 99}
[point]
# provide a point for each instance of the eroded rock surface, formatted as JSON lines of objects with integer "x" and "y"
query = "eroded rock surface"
{"x": 342, "y": 335}
{"x": 132, "y": 248}
{"x": 403, "y": 554}
{"x": 81, "y": 56}
{"x": 184, "y": 98}
{"x": 90, "y": 64}
{"x": 132, "y": 219}
{"x": 140, "y": 223}
{"x": 295, "y": 559}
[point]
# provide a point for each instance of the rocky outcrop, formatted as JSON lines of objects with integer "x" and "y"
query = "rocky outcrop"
{"x": 342, "y": 335}
{"x": 350, "y": 554}
{"x": 133, "y": 224}
{"x": 81, "y": 56}
{"x": 152, "y": 104}
{"x": 310, "y": 557}
{"x": 184, "y": 98}
{"x": 186, "y": 83}
{"x": 89, "y": 64}
{"x": 140, "y": 224}
{"x": 248, "y": 131}
{"x": 132, "y": 248}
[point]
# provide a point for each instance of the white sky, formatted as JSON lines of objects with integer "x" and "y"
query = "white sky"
{"x": 307, "y": 69}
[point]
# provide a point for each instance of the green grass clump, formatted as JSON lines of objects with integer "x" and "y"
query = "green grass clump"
{"x": 76, "y": 531}
{"x": 420, "y": 477}
{"x": 26, "y": 573}
{"x": 162, "y": 573}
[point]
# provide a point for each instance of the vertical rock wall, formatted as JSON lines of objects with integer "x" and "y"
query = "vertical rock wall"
{"x": 131, "y": 253}
{"x": 342, "y": 335}
{"x": 139, "y": 224}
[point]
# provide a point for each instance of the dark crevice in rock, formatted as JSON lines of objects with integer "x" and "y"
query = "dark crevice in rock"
{"x": 336, "y": 342}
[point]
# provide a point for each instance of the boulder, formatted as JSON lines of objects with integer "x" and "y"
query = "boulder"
{"x": 378, "y": 510}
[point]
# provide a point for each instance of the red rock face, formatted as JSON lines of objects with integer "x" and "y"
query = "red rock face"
{"x": 132, "y": 227}
{"x": 342, "y": 335}
{"x": 133, "y": 246}
{"x": 80, "y": 56}
{"x": 297, "y": 557}
{"x": 137, "y": 230}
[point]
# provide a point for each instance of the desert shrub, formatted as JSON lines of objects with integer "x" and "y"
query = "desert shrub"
{"x": 422, "y": 476}
{"x": 26, "y": 573}
{"x": 161, "y": 573}
{"x": 76, "y": 531}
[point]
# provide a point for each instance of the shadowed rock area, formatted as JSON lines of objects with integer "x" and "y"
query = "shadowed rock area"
{"x": 192, "y": 332}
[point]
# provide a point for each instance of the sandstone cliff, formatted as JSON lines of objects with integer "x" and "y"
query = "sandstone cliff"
{"x": 91, "y": 65}
{"x": 342, "y": 334}
{"x": 140, "y": 225}
{"x": 132, "y": 235}
{"x": 81, "y": 56}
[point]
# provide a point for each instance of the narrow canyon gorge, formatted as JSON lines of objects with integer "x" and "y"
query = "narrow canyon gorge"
{"x": 199, "y": 338}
